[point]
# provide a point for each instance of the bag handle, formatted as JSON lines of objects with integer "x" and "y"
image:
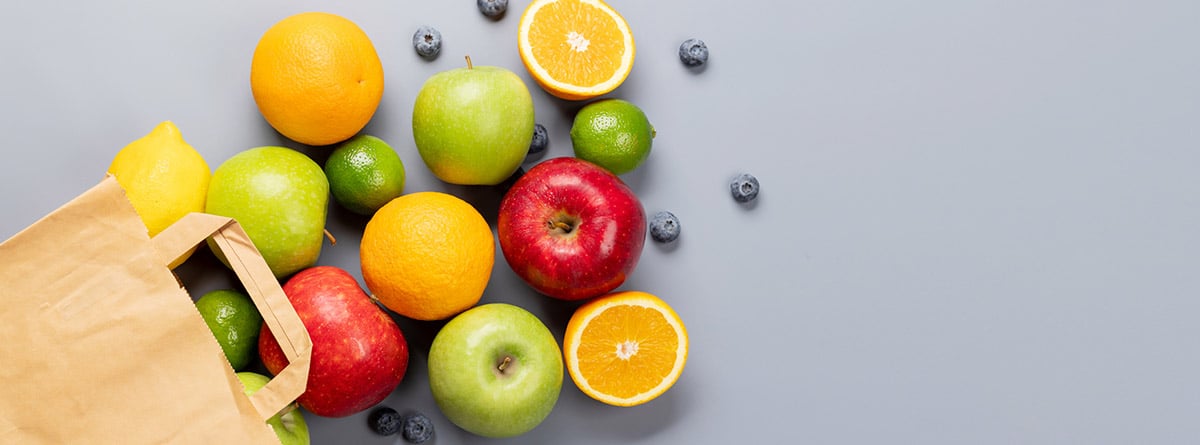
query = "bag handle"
{"x": 264, "y": 289}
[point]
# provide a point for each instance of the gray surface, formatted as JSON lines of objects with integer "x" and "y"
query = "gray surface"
{"x": 980, "y": 221}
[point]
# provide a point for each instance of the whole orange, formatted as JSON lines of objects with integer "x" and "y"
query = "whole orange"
{"x": 316, "y": 78}
{"x": 427, "y": 255}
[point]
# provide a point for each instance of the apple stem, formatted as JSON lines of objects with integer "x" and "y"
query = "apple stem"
{"x": 332, "y": 240}
{"x": 469, "y": 66}
{"x": 566, "y": 228}
{"x": 504, "y": 364}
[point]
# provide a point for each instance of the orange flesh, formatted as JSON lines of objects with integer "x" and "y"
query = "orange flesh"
{"x": 574, "y": 49}
{"x": 614, "y": 332}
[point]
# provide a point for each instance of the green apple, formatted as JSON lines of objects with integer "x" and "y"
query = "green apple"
{"x": 279, "y": 196}
{"x": 289, "y": 426}
{"x": 495, "y": 370}
{"x": 473, "y": 125}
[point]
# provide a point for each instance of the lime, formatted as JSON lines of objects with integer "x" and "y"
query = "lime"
{"x": 613, "y": 134}
{"x": 364, "y": 174}
{"x": 234, "y": 321}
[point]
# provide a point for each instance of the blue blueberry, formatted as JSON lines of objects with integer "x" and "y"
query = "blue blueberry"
{"x": 385, "y": 421}
{"x": 492, "y": 8}
{"x": 417, "y": 428}
{"x": 693, "y": 52}
{"x": 540, "y": 140}
{"x": 744, "y": 187}
{"x": 664, "y": 227}
{"x": 427, "y": 41}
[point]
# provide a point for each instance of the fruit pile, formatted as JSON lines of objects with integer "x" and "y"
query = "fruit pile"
{"x": 569, "y": 227}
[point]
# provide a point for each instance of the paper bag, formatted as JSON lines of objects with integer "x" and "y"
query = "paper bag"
{"x": 100, "y": 344}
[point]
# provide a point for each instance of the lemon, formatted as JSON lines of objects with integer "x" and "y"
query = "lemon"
{"x": 235, "y": 322}
{"x": 364, "y": 174}
{"x": 613, "y": 134}
{"x": 163, "y": 176}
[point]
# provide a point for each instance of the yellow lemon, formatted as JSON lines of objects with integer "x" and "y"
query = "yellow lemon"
{"x": 163, "y": 176}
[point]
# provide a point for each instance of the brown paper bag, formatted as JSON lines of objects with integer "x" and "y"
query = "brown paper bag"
{"x": 100, "y": 344}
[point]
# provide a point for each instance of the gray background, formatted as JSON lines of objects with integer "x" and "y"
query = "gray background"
{"x": 979, "y": 219}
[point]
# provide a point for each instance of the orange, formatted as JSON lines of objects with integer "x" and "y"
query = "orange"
{"x": 316, "y": 78}
{"x": 625, "y": 348}
{"x": 575, "y": 49}
{"x": 427, "y": 255}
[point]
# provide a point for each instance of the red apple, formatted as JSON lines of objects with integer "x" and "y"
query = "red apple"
{"x": 571, "y": 229}
{"x": 359, "y": 354}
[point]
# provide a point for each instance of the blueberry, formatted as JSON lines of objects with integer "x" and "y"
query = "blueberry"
{"x": 744, "y": 187}
{"x": 417, "y": 428}
{"x": 427, "y": 41}
{"x": 540, "y": 140}
{"x": 385, "y": 421}
{"x": 492, "y": 8}
{"x": 664, "y": 227}
{"x": 693, "y": 52}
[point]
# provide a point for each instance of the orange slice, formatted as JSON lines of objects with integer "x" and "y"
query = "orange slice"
{"x": 625, "y": 348}
{"x": 575, "y": 49}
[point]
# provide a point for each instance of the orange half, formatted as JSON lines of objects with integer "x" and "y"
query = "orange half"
{"x": 625, "y": 348}
{"x": 575, "y": 49}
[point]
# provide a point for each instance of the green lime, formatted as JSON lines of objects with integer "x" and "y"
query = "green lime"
{"x": 613, "y": 134}
{"x": 364, "y": 174}
{"x": 233, "y": 319}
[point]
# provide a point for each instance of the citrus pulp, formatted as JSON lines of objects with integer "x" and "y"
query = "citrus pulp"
{"x": 625, "y": 348}
{"x": 575, "y": 49}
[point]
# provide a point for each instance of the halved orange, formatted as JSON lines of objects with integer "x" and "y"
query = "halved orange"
{"x": 575, "y": 49}
{"x": 625, "y": 348}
